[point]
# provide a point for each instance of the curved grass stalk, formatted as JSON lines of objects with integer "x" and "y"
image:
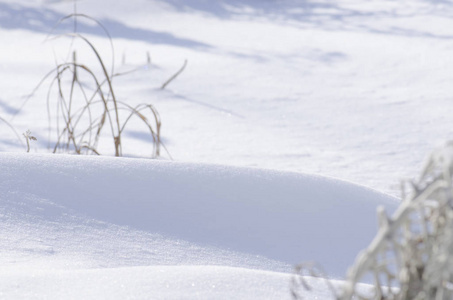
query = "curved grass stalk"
{"x": 107, "y": 33}
{"x": 12, "y": 129}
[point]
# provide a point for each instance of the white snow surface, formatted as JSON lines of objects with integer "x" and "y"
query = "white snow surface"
{"x": 95, "y": 214}
{"x": 292, "y": 121}
{"x": 90, "y": 227}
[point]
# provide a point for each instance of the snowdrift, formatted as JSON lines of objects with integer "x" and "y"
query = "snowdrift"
{"x": 94, "y": 212}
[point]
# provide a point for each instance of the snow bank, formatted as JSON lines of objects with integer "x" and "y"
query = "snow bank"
{"x": 94, "y": 212}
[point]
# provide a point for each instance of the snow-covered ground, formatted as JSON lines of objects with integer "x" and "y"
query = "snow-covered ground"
{"x": 292, "y": 121}
{"x": 75, "y": 217}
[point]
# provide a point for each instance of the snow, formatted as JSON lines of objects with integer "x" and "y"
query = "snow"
{"x": 105, "y": 215}
{"x": 292, "y": 122}
{"x": 204, "y": 282}
{"x": 168, "y": 282}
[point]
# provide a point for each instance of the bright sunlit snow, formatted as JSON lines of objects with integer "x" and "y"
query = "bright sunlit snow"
{"x": 292, "y": 121}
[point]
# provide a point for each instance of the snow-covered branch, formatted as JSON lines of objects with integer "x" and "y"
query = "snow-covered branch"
{"x": 411, "y": 255}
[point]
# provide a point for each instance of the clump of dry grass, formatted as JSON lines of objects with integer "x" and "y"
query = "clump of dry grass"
{"x": 86, "y": 103}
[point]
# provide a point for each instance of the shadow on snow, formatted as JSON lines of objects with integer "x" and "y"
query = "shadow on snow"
{"x": 43, "y": 20}
{"x": 324, "y": 15}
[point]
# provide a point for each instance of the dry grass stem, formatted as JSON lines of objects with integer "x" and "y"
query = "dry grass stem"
{"x": 175, "y": 75}
{"x": 28, "y": 138}
{"x": 12, "y": 129}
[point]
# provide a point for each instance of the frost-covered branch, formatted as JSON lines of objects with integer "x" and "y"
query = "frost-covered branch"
{"x": 411, "y": 256}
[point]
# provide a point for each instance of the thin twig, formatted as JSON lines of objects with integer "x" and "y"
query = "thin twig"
{"x": 175, "y": 75}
